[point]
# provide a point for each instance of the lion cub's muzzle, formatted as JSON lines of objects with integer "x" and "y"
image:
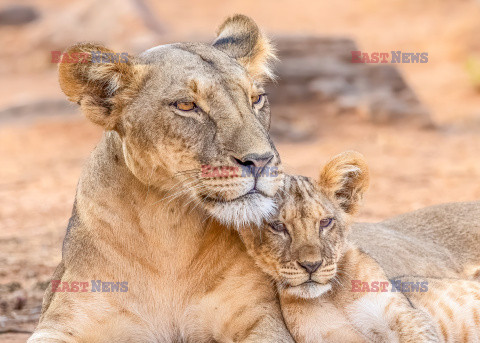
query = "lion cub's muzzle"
{"x": 325, "y": 274}
{"x": 309, "y": 280}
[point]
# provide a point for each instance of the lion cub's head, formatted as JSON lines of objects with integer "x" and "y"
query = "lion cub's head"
{"x": 192, "y": 118}
{"x": 301, "y": 246}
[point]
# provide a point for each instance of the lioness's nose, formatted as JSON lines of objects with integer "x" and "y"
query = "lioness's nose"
{"x": 255, "y": 160}
{"x": 310, "y": 267}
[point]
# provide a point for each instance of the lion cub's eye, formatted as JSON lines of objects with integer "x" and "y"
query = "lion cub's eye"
{"x": 278, "y": 227}
{"x": 326, "y": 222}
{"x": 185, "y": 106}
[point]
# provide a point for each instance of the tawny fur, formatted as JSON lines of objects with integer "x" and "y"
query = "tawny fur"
{"x": 258, "y": 58}
{"x": 437, "y": 241}
{"x": 453, "y": 304}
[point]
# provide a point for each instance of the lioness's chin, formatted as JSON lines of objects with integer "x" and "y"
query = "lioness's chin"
{"x": 308, "y": 290}
{"x": 250, "y": 209}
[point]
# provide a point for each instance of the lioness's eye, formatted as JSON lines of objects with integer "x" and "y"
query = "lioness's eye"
{"x": 256, "y": 99}
{"x": 185, "y": 106}
{"x": 278, "y": 227}
{"x": 324, "y": 223}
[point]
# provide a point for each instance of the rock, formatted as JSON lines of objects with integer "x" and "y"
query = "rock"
{"x": 131, "y": 27}
{"x": 284, "y": 130}
{"x": 319, "y": 70}
{"x": 18, "y": 15}
{"x": 35, "y": 108}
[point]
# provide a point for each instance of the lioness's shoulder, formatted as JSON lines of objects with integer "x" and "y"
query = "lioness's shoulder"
{"x": 466, "y": 212}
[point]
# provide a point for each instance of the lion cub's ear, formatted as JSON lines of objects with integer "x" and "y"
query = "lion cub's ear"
{"x": 99, "y": 80}
{"x": 345, "y": 179}
{"x": 240, "y": 38}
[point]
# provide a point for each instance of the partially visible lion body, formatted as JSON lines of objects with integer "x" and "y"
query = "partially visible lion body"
{"x": 437, "y": 241}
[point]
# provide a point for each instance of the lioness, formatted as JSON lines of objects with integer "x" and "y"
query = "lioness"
{"x": 304, "y": 248}
{"x": 152, "y": 263}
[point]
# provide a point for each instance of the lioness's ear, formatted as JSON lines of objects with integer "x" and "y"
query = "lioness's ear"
{"x": 99, "y": 80}
{"x": 241, "y": 39}
{"x": 345, "y": 179}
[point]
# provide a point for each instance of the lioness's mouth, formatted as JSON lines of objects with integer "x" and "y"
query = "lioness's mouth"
{"x": 250, "y": 208}
{"x": 247, "y": 196}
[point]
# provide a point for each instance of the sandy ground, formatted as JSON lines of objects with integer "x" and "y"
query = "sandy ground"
{"x": 411, "y": 168}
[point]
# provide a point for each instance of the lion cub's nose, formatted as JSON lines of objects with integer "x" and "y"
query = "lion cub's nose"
{"x": 310, "y": 267}
{"x": 254, "y": 160}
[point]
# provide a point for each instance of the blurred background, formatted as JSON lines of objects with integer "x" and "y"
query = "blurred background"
{"x": 417, "y": 124}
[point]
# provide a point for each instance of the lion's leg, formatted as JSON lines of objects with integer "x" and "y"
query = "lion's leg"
{"x": 242, "y": 309}
{"x": 388, "y": 317}
{"x": 317, "y": 320}
{"x": 229, "y": 322}
{"x": 117, "y": 328}
{"x": 88, "y": 317}
{"x": 376, "y": 308}
{"x": 50, "y": 335}
{"x": 379, "y": 310}
{"x": 268, "y": 329}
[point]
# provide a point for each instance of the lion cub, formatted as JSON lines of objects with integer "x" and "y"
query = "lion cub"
{"x": 306, "y": 252}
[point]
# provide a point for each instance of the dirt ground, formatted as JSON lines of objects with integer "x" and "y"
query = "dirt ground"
{"x": 41, "y": 157}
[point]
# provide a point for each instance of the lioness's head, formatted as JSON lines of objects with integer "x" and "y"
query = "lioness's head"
{"x": 301, "y": 246}
{"x": 193, "y": 118}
